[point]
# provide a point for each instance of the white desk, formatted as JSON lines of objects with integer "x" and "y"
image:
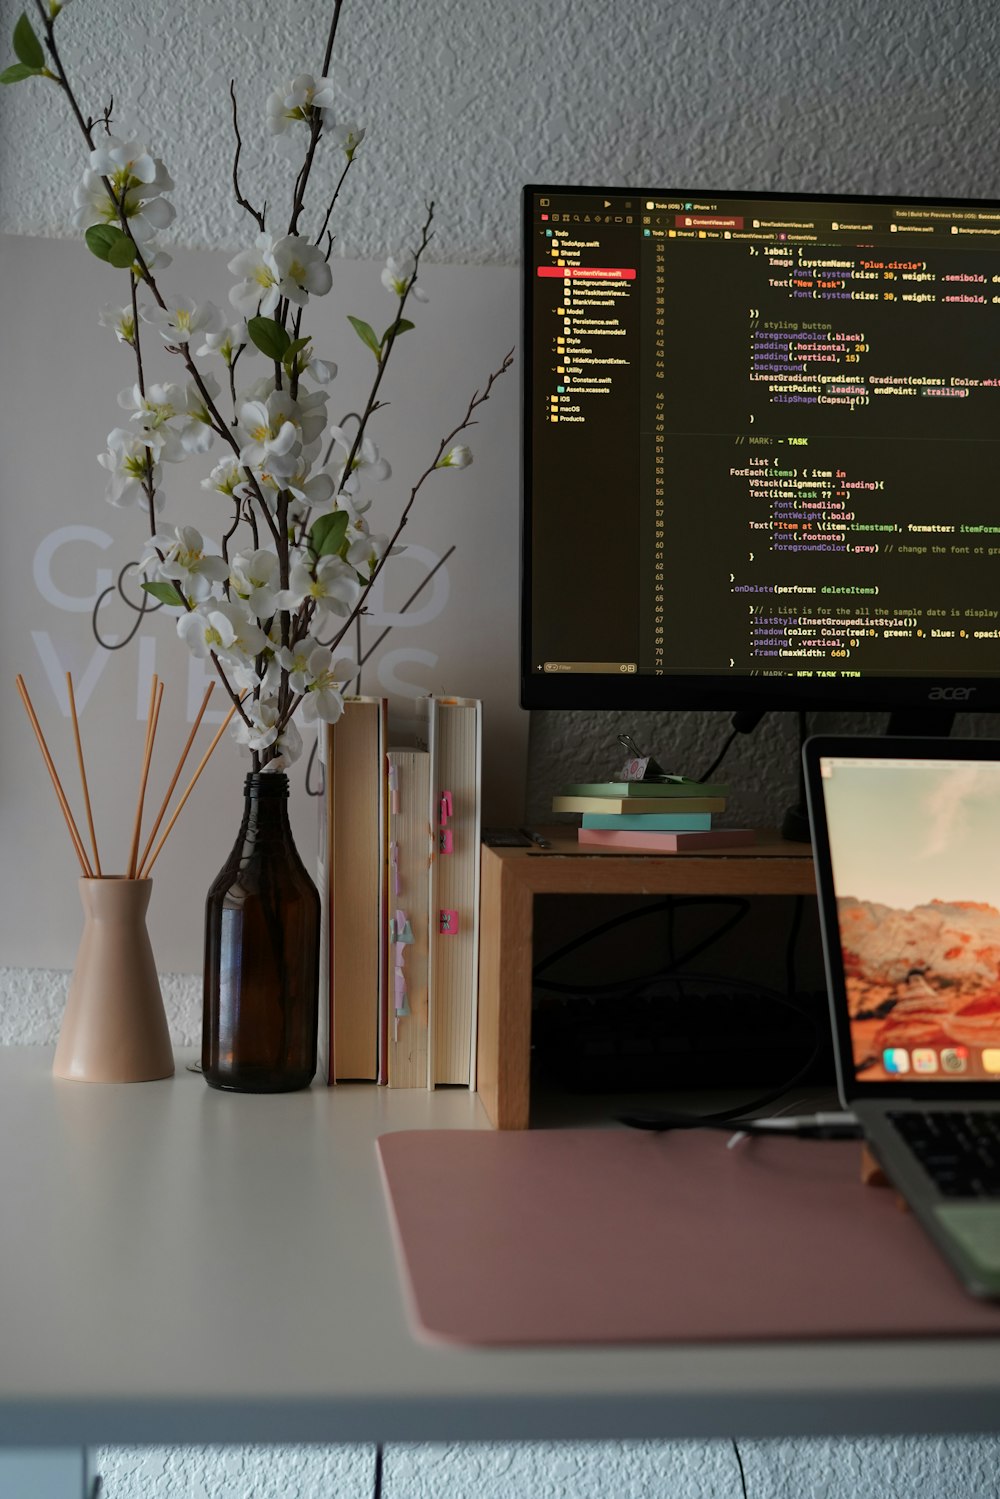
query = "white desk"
{"x": 183, "y": 1266}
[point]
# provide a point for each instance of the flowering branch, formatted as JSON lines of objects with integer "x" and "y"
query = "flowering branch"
{"x": 255, "y": 612}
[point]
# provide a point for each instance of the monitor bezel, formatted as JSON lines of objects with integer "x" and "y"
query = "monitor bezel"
{"x": 692, "y": 692}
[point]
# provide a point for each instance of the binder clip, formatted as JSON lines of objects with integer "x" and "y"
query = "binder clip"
{"x": 640, "y": 767}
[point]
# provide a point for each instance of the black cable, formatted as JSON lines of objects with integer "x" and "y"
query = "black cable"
{"x": 743, "y": 721}
{"x": 377, "y": 1489}
{"x": 598, "y": 931}
{"x": 743, "y": 1477}
{"x": 719, "y": 757}
{"x": 834, "y": 1130}
{"x": 661, "y": 1122}
{"x": 670, "y": 904}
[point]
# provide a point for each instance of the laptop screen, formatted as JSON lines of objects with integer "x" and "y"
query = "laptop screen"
{"x": 912, "y": 870}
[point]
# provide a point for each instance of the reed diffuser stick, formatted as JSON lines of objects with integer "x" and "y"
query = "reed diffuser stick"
{"x": 176, "y": 775}
{"x": 155, "y": 698}
{"x": 190, "y": 787}
{"x": 83, "y": 774}
{"x": 64, "y": 804}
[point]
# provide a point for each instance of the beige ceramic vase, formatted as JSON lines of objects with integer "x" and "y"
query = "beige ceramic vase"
{"x": 114, "y": 1029}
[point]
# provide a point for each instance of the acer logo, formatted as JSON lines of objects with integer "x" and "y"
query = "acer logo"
{"x": 950, "y": 694}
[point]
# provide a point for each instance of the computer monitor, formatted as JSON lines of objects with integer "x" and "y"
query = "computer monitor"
{"x": 761, "y": 447}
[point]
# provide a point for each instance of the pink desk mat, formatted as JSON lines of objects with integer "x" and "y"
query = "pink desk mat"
{"x": 614, "y": 1236}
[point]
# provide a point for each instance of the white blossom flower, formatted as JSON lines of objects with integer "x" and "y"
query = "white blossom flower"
{"x": 262, "y": 730}
{"x": 227, "y": 477}
{"x": 457, "y": 457}
{"x": 226, "y": 628}
{"x": 333, "y": 586}
{"x": 345, "y": 135}
{"x": 269, "y": 438}
{"x": 228, "y": 340}
{"x": 313, "y": 491}
{"x": 197, "y": 432}
{"x": 254, "y": 577}
{"x": 137, "y": 180}
{"x": 308, "y": 412}
{"x": 182, "y": 319}
{"x": 302, "y": 269}
{"x": 366, "y": 462}
{"x": 126, "y": 164}
{"x": 122, "y": 320}
{"x": 320, "y": 370}
{"x": 296, "y": 102}
{"x": 144, "y": 210}
{"x": 289, "y": 747}
{"x": 396, "y": 276}
{"x": 131, "y": 465}
{"x": 314, "y": 673}
{"x": 263, "y": 733}
{"x": 153, "y": 412}
{"x": 258, "y": 291}
{"x": 179, "y": 556}
{"x": 294, "y": 660}
{"x": 367, "y": 550}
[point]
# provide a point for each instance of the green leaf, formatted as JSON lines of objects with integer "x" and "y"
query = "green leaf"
{"x": 366, "y": 333}
{"x": 19, "y": 70}
{"x": 297, "y": 344}
{"x": 269, "y": 336}
{"x": 404, "y": 326}
{"x": 109, "y": 243}
{"x": 166, "y": 593}
{"x": 327, "y": 534}
{"x": 26, "y": 44}
{"x": 122, "y": 252}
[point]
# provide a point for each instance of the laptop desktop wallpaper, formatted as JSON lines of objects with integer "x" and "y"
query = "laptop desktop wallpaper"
{"x": 915, "y": 848}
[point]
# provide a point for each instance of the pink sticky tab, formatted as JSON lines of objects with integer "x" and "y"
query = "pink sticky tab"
{"x": 446, "y": 842}
{"x": 447, "y": 923}
{"x": 447, "y": 808}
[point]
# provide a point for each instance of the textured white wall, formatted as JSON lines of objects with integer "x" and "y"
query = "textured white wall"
{"x": 465, "y": 100}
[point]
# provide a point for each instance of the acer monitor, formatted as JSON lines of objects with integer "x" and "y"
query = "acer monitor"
{"x": 761, "y": 451}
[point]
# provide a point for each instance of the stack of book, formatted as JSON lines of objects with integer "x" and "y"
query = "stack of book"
{"x": 398, "y": 873}
{"x": 665, "y": 816}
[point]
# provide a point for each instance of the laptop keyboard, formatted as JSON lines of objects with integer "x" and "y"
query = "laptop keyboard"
{"x": 959, "y": 1150}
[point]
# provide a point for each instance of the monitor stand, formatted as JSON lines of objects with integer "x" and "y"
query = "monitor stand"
{"x": 923, "y": 723}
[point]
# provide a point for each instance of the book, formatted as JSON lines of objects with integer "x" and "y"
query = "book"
{"x": 651, "y": 822}
{"x": 658, "y": 790}
{"x": 355, "y": 960}
{"x": 648, "y": 807}
{"x": 407, "y": 913}
{"x": 667, "y": 843}
{"x": 452, "y": 729}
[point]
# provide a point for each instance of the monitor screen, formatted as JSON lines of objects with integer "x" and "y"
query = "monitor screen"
{"x": 760, "y": 442}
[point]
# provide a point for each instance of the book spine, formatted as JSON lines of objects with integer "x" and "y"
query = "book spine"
{"x": 407, "y": 912}
{"x": 455, "y": 744}
{"x": 357, "y": 888}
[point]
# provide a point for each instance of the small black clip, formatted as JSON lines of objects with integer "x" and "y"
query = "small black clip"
{"x": 640, "y": 767}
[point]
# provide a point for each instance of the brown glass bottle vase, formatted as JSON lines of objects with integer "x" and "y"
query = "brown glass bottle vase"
{"x": 262, "y": 929}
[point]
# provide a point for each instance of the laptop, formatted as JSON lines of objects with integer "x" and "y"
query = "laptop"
{"x": 906, "y": 843}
